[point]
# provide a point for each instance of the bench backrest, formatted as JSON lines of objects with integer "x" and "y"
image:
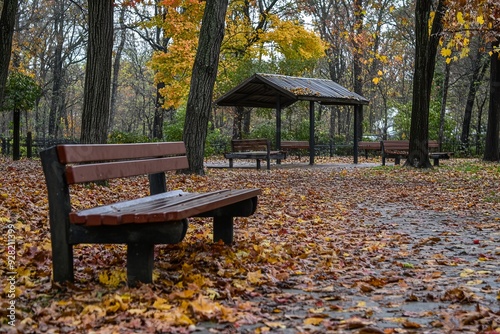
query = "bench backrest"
{"x": 87, "y": 163}
{"x": 245, "y": 145}
{"x": 404, "y": 145}
{"x": 295, "y": 144}
{"x": 369, "y": 145}
{"x": 433, "y": 144}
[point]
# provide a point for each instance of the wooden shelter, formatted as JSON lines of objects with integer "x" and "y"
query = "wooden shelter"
{"x": 280, "y": 91}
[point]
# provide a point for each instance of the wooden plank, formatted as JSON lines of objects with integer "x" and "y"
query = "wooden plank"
{"x": 161, "y": 209}
{"x": 238, "y": 145}
{"x": 255, "y": 155}
{"x": 111, "y": 170}
{"x": 290, "y": 144}
{"x": 104, "y": 152}
{"x": 369, "y": 145}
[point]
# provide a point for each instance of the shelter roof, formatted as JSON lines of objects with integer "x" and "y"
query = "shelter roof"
{"x": 263, "y": 90}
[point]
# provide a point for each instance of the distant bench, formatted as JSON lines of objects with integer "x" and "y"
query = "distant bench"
{"x": 160, "y": 218}
{"x": 298, "y": 146}
{"x": 253, "y": 149}
{"x": 369, "y": 146}
{"x": 398, "y": 149}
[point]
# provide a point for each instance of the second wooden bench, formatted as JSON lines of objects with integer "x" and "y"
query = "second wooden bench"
{"x": 253, "y": 149}
{"x": 398, "y": 149}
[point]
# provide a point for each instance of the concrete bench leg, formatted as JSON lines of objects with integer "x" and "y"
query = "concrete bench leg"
{"x": 140, "y": 258}
{"x": 223, "y": 229}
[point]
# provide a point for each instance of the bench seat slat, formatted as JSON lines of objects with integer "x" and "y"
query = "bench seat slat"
{"x": 111, "y": 170}
{"x": 161, "y": 208}
{"x": 104, "y": 152}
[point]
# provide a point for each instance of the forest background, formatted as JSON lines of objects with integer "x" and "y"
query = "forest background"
{"x": 366, "y": 46}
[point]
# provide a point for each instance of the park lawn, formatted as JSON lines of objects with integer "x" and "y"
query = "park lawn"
{"x": 331, "y": 248}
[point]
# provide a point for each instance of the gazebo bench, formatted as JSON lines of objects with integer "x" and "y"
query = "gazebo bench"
{"x": 253, "y": 149}
{"x": 369, "y": 146}
{"x": 160, "y": 218}
{"x": 294, "y": 145}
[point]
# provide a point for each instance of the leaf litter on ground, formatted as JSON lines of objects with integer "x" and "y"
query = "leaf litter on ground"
{"x": 331, "y": 248}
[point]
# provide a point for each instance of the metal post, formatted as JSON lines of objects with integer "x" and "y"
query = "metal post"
{"x": 278, "y": 126}
{"x": 311, "y": 133}
{"x": 357, "y": 111}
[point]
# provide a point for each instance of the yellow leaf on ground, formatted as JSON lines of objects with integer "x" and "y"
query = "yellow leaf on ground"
{"x": 313, "y": 321}
{"x": 254, "y": 277}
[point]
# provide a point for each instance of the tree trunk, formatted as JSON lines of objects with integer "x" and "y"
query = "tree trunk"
{"x": 477, "y": 74}
{"x": 116, "y": 68}
{"x": 358, "y": 68}
{"x": 444, "y": 98}
{"x": 238, "y": 122}
{"x": 479, "y": 125}
{"x": 57, "y": 74}
{"x": 7, "y": 22}
{"x": 202, "y": 82}
{"x": 491, "y": 150}
{"x": 247, "y": 116}
{"x": 161, "y": 43}
{"x": 16, "y": 150}
{"x": 425, "y": 62}
{"x": 159, "y": 113}
{"x": 97, "y": 90}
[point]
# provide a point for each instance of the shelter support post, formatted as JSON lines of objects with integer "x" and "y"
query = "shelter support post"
{"x": 278, "y": 126}
{"x": 311, "y": 133}
{"x": 358, "y": 109}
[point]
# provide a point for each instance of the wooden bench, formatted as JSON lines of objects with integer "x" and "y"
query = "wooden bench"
{"x": 294, "y": 145}
{"x": 160, "y": 218}
{"x": 368, "y": 146}
{"x": 255, "y": 149}
{"x": 398, "y": 149}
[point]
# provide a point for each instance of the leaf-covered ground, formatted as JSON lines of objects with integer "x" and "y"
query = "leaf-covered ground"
{"x": 330, "y": 249}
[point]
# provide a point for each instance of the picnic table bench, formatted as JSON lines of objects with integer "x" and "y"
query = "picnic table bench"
{"x": 294, "y": 145}
{"x": 254, "y": 149}
{"x": 160, "y": 218}
{"x": 398, "y": 149}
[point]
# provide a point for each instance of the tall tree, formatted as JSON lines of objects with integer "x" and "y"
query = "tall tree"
{"x": 357, "y": 59}
{"x": 57, "y": 81}
{"x": 471, "y": 17}
{"x": 492, "y": 149}
{"x": 425, "y": 62}
{"x": 202, "y": 82}
{"x": 116, "y": 66}
{"x": 97, "y": 90}
{"x": 479, "y": 66}
{"x": 7, "y": 21}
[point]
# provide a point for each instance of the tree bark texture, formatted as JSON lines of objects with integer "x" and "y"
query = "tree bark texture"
{"x": 57, "y": 103}
{"x": 97, "y": 91}
{"x": 491, "y": 151}
{"x": 116, "y": 68}
{"x": 444, "y": 99}
{"x": 7, "y": 22}
{"x": 425, "y": 63}
{"x": 202, "y": 83}
{"x": 479, "y": 68}
{"x": 238, "y": 122}
{"x": 358, "y": 67}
